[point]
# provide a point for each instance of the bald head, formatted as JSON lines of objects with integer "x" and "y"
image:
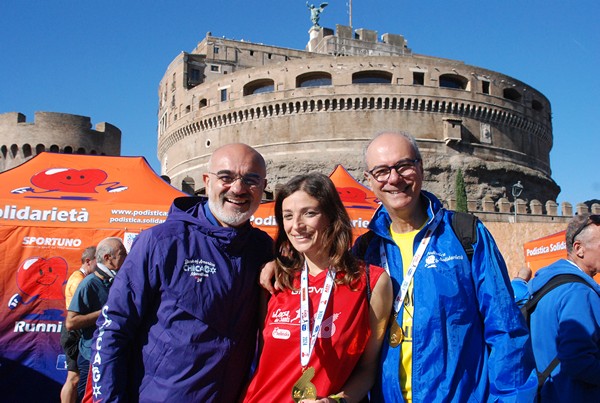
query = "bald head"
{"x": 235, "y": 181}
{"x": 395, "y": 174}
{"x": 238, "y": 153}
{"x": 111, "y": 252}
{"x": 385, "y": 140}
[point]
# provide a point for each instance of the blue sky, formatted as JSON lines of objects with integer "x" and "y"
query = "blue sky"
{"x": 104, "y": 58}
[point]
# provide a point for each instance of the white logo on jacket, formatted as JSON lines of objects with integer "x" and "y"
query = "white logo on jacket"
{"x": 433, "y": 258}
{"x": 199, "y": 269}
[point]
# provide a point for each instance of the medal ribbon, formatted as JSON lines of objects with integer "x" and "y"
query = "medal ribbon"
{"x": 413, "y": 264}
{"x": 307, "y": 342}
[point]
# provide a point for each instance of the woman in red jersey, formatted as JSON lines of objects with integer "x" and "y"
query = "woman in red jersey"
{"x": 322, "y": 333}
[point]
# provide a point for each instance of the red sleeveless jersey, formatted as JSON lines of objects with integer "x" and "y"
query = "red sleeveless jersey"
{"x": 344, "y": 333}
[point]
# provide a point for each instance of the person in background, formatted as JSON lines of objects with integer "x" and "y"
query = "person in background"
{"x": 323, "y": 332}
{"x": 566, "y": 322}
{"x": 88, "y": 299}
{"x": 181, "y": 320}
{"x": 69, "y": 340}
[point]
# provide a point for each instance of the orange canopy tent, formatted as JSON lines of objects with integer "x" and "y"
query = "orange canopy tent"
{"x": 51, "y": 208}
{"x": 360, "y": 202}
{"x": 544, "y": 251}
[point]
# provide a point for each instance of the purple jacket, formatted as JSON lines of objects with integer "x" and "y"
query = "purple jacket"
{"x": 181, "y": 319}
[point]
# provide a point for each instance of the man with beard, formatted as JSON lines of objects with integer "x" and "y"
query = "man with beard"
{"x": 181, "y": 320}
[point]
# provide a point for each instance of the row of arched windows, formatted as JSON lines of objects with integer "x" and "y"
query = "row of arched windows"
{"x": 26, "y": 151}
{"x": 322, "y": 79}
{"x": 481, "y": 113}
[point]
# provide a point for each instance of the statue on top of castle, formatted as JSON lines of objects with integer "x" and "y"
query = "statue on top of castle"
{"x": 315, "y": 13}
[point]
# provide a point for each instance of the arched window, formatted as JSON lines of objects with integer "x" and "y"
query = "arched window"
{"x": 26, "y": 150}
{"x": 40, "y": 148}
{"x": 372, "y": 77}
{"x": 537, "y": 105}
{"x": 259, "y": 87}
{"x": 453, "y": 81}
{"x": 68, "y": 150}
{"x": 54, "y": 148}
{"x": 313, "y": 79}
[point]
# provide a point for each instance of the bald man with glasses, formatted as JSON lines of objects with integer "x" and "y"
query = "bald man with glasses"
{"x": 566, "y": 322}
{"x": 456, "y": 334}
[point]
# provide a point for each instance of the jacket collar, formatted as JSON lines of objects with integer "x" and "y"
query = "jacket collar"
{"x": 381, "y": 221}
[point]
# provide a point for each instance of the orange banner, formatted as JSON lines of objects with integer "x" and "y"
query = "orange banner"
{"x": 544, "y": 251}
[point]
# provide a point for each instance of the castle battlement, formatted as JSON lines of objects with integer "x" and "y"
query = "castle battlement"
{"x": 53, "y": 132}
{"x": 503, "y": 210}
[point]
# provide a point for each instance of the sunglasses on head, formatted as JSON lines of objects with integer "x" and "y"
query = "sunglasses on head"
{"x": 592, "y": 219}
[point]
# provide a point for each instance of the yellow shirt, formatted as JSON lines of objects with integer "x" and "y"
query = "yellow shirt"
{"x": 71, "y": 286}
{"x": 405, "y": 242}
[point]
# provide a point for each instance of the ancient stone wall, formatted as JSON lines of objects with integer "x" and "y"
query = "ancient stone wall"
{"x": 512, "y": 231}
{"x": 54, "y": 132}
{"x": 313, "y": 110}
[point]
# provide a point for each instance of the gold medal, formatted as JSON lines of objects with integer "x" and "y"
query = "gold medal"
{"x": 396, "y": 333}
{"x": 303, "y": 388}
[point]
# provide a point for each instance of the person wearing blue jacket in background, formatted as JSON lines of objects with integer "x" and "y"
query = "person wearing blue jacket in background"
{"x": 456, "y": 333}
{"x": 566, "y": 322}
{"x": 181, "y": 320}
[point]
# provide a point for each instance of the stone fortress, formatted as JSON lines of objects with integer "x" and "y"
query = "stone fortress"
{"x": 312, "y": 109}
{"x": 54, "y": 132}
{"x": 315, "y": 108}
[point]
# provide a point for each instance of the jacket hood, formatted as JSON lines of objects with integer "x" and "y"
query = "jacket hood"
{"x": 561, "y": 266}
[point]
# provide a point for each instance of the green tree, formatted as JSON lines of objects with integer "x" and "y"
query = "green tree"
{"x": 460, "y": 192}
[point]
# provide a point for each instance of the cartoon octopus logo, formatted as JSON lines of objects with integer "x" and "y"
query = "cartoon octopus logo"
{"x": 39, "y": 278}
{"x": 69, "y": 180}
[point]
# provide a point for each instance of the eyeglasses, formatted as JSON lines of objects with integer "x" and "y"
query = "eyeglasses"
{"x": 251, "y": 180}
{"x": 403, "y": 168}
{"x": 592, "y": 219}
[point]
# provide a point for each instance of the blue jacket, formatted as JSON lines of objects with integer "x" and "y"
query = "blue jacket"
{"x": 470, "y": 342}
{"x": 181, "y": 319}
{"x": 520, "y": 291}
{"x": 566, "y": 323}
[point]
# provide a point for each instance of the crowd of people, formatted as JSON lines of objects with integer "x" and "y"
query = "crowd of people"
{"x": 208, "y": 308}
